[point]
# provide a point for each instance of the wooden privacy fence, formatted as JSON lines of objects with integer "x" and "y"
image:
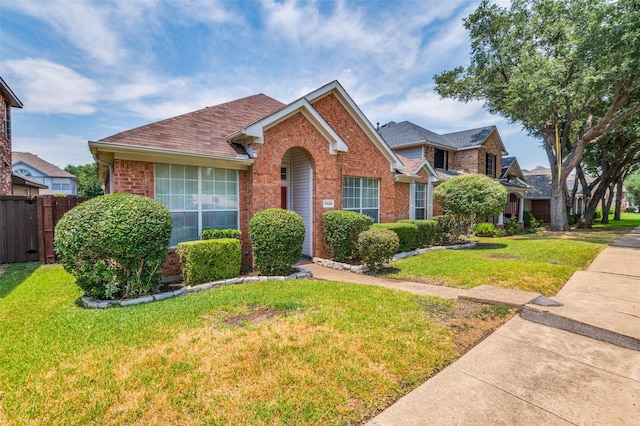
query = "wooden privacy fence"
{"x": 27, "y": 226}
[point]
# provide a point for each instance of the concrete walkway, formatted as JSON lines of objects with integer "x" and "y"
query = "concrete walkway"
{"x": 578, "y": 363}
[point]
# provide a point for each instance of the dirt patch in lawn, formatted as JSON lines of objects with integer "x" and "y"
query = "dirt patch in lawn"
{"x": 502, "y": 256}
{"x": 255, "y": 316}
{"x": 470, "y": 322}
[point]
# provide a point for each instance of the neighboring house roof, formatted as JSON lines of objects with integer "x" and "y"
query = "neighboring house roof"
{"x": 8, "y": 94}
{"x": 540, "y": 186}
{"x": 405, "y": 134}
{"x": 17, "y": 179}
{"x": 39, "y": 164}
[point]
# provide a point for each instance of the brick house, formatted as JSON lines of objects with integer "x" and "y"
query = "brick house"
{"x": 8, "y": 100}
{"x": 470, "y": 151}
{"x": 218, "y": 166}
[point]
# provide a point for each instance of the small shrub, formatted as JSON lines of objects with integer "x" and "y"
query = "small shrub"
{"x": 574, "y": 219}
{"x": 449, "y": 229}
{"x": 597, "y": 214}
{"x": 485, "y": 229}
{"x": 511, "y": 227}
{"x": 427, "y": 233}
{"x": 209, "y": 260}
{"x": 530, "y": 221}
{"x": 377, "y": 246}
{"x": 341, "y": 229}
{"x": 406, "y": 233}
{"x": 214, "y": 234}
{"x": 115, "y": 245}
{"x": 276, "y": 236}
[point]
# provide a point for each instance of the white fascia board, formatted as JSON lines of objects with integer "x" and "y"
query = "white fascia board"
{"x": 256, "y": 130}
{"x": 156, "y": 155}
{"x": 360, "y": 118}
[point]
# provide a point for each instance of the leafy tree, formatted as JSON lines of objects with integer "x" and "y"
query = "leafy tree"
{"x": 469, "y": 197}
{"x": 88, "y": 185}
{"x": 632, "y": 183}
{"x": 566, "y": 67}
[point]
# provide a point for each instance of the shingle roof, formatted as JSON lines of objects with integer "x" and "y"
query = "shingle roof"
{"x": 39, "y": 164}
{"x": 468, "y": 138}
{"x": 8, "y": 94}
{"x": 406, "y": 133}
{"x": 540, "y": 186}
{"x": 203, "y": 131}
{"x": 506, "y": 163}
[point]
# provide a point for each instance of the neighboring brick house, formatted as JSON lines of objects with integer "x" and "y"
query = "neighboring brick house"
{"x": 469, "y": 151}
{"x": 8, "y": 100}
{"x": 38, "y": 170}
{"x": 218, "y": 166}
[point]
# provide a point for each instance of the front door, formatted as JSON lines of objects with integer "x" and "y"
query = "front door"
{"x": 298, "y": 195}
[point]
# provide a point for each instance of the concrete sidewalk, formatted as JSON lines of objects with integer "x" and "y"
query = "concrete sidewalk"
{"x": 531, "y": 373}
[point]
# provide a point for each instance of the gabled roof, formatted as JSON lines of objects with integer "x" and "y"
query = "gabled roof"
{"x": 413, "y": 166}
{"x": 406, "y": 134}
{"x": 39, "y": 164}
{"x": 8, "y": 94}
{"x": 203, "y": 131}
{"x": 17, "y": 179}
{"x": 511, "y": 167}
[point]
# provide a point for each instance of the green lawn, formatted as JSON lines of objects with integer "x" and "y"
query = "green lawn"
{"x": 540, "y": 262}
{"x": 335, "y": 354}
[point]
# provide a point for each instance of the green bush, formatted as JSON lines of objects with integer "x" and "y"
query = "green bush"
{"x": 406, "y": 233}
{"x": 485, "y": 229}
{"x": 276, "y": 236}
{"x": 530, "y": 221}
{"x": 449, "y": 229}
{"x": 574, "y": 219}
{"x": 511, "y": 227}
{"x": 341, "y": 229}
{"x": 597, "y": 214}
{"x": 115, "y": 245}
{"x": 427, "y": 232}
{"x": 209, "y": 260}
{"x": 471, "y": 196}
{"x": 214, "y": 234}
{"x": 377, "y": 246}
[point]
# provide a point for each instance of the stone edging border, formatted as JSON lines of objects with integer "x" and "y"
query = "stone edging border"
{"x": 362, "y": 269}
{"x": 91, "y": 303}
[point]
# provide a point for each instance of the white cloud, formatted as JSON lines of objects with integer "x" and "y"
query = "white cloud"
{"x": 86, "y": 25}
{"x": 51, "y": 88}
{"x": 60, "y": 149}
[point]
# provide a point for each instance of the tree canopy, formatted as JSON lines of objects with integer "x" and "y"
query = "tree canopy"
{"x": 471, "y": 196}
{"x": 569, "y": 66}
{"x": 88, "y": 185}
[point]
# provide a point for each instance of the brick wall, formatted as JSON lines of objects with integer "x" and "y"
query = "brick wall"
{"x": 134, "y": 177}
{"x": 468, "y": 161}
{"x": 5, "y": 152}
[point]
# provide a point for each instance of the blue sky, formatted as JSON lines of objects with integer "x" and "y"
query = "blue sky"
{"x": 85, "y": 70}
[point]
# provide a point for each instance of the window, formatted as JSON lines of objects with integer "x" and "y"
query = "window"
{"x": 440, "y": 159}
{"x": 23, "y": 172}
{"x": 491, "y": 165}
{"x": 361, "y": 195}
{"x": 420, "y": 201}
{"x": 61, "y": 184}
{"x": 198, "y": 198}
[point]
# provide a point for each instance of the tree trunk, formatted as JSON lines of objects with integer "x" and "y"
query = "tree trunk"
{"x": 618, "y": 201}
{"x": 606, "y": 205}
{"x": 559, "y": 217}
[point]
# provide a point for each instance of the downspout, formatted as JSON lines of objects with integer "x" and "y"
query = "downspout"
{"x": 110, "y": 166}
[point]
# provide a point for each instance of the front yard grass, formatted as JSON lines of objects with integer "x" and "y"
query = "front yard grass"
{"x": 540, "y": 262}
{"x": 279, "y": 352}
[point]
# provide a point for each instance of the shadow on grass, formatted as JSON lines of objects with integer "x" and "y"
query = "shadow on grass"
{"x": 14, "y": 275}
{"x": 489, "y": 246}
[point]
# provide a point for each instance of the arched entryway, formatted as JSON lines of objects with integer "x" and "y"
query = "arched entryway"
{"x": 296, "y": 190}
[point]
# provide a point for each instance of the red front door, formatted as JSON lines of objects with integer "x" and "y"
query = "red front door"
{"x": 283, "y": 197}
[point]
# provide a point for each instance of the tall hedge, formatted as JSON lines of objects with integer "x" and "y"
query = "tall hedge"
{"x": 209, "y": 260}
{"x": 406, "y": 233}
{"x": 115, "y": 245}
{"x": 341, "y": 229}
{"x": 276, "y": 236}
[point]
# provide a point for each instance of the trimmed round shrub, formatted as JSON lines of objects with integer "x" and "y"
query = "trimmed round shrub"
{"x": 406, "y": 233}
{"x": 377, "y": 246}
{"x": 276, "y": 236}
{"x": 471, "y": 196}
{"x": 115, "y": 245}
{"x": 341, "y": 229}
